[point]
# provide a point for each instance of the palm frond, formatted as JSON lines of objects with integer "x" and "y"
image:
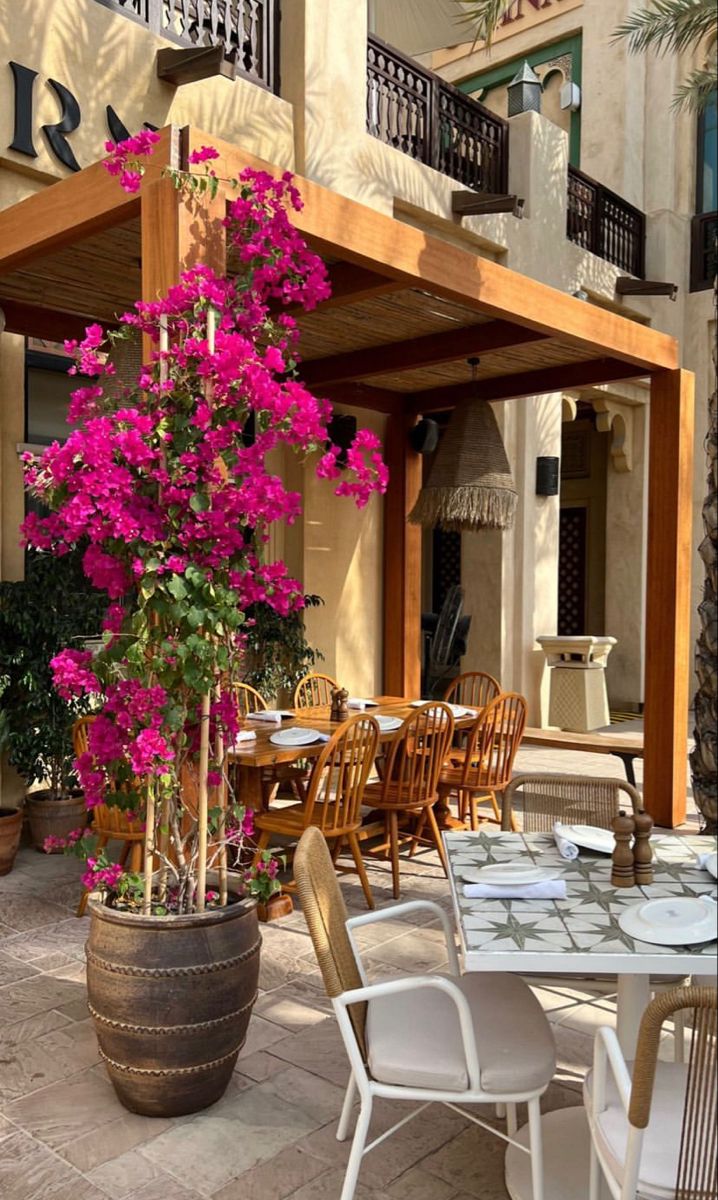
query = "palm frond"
{"x": 697, "y": 91}
{"x": 669, "y": 25}
{"x": 485, "y": 16}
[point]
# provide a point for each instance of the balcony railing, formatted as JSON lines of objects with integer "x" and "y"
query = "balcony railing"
{"x": 704, "y": 251}
{"x": 246, "y": 28}
{"x": 605, "y": 223}
{"x": 423, "y": 116}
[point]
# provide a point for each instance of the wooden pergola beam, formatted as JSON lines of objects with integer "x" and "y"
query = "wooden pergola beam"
{"x": 32, "y": 320}
{"x": 340, "y": 227}
{"x": 527, "y": 383}
{"x": 427, "y": 351}
{"x": 76, "y": 208}
{"x": 351, "y": 284}
{"x": 359, "y": 395}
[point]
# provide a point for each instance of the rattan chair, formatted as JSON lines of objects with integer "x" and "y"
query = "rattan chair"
{"x": 541, "y": 800}
{"x": 653, "y": 1123}
{"x": 476, "y": 1039}
{"x": 410, "y": 775}
{"x": 109, "y": 821}
{"x": 475, "y": 689}
{"x": 486, "y": 766}
{"x": 334, "y": 799}
{"x": 314, "y": 690}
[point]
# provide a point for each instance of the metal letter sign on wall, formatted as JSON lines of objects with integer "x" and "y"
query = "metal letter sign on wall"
{"x": 70, "y": 117}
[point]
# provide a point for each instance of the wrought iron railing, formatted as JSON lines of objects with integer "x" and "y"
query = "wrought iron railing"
{"x": 704, "y": 251}
{"x": 248, "y": 29}
{"x": 605, "y": 223}
{"x": 420, "y": 114}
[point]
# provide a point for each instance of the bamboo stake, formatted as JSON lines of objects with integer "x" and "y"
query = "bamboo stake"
{"x": 202, "y": 804}
{"x": 164, "y": 839}
{"x": 149, "y": 848}
{"x": 221, "y": 829}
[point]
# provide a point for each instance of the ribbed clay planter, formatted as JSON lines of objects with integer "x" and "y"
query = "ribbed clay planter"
{"x": 10, "y": 830}
{"x": 57, "y": 817}
{"x": 171, "y": 999}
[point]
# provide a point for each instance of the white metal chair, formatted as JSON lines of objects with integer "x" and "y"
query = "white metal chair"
{"x": 476, "y": 1039}
{"x": 653, "y": 1123}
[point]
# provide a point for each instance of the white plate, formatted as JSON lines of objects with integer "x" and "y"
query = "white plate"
{"x": 296, "y": 737}
{"x": 386, "y": 724}
{"x": 711, "y": 865}
{"x": 361, "y": 702}
{"x": 509, "y": 874}
{"x": 591, "y": 837}
{"x": 675, "y": 921}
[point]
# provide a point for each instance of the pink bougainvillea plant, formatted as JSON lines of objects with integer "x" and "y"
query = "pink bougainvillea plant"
{"x": 170, "y": 490}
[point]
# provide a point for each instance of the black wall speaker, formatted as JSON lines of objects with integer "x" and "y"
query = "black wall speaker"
{"x": 424, "y": 436}
{"x": 342, "y": 430}
{"x": 547, "y": 476}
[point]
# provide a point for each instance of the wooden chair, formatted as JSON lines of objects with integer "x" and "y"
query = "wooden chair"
{"x": 487, "y": 763}
{"x": 653, "y": 1123}
{"x": 541, "y": 800}
{"x": 109, "y": 822}
{"x": 446, "y": 1039}
{"x": 475, "y": 689}
{"x": 335, "y": 795}
{"x": 410, "y": 778}
{"x": 295, "y": 777}
{"x": 314, "y": 690}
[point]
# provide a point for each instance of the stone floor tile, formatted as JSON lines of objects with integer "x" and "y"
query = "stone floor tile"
{"x": 260, "y": 1035}
{"x": 29, "y": 1171}
{"x": 417, "y": 1184}
{"x": 20, "y": 915}
{"x": 319, "y": 1049}
{"x": 18, "y": 1001}
{"x": 233, "y": 1136}
{"x": 317, "y": 1097}
{"x": 12, "y": 971}
{"x": 118, "y": 1177}
{"x": 472, "y": 1163}
{"x": 276, "y": 1179}
{"x": 329, "y": 1186}
{"x": 32, "y": 1029}
{"x": 282, "y": 1008}
{"x": 67, "y": 937}
{"x": 416, "y": 952}
{"x": 164, "y": 1188}
{"x": 67, "y": 1110}
{"x": 127, "y": 1132}
{"x": 259, "y": 1066}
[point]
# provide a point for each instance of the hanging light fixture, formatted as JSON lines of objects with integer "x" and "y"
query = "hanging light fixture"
{"x": 470, "y": 486}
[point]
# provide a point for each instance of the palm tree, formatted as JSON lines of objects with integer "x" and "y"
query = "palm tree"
{"x": 675, "y": 26}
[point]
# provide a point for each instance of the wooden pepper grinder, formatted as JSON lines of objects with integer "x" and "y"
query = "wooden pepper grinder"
{"x": 340, "y": 707}
{"x": 622, "y": 870}
{"x": 642, "y": 850}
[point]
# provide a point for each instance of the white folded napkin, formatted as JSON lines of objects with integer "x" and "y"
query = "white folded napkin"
{"x": 245, "y": 735}
{"x": 272, "y": 715}
{"x": 566, "y": 849}
{"x": 360, "y": 703}
{"x": 549, "y": 889}
{"x": 702, "y": 859}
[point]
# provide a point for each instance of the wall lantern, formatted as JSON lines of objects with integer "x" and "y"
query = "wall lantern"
{"x": 570, "y": 97}
{"x": 547, "y": 476}
{"x": 424, "y": 436}
{"x": 524, "y": 91}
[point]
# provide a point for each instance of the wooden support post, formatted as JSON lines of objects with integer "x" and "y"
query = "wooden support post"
{"x": 402, "y": 563}
{"x": 668, "y": 603}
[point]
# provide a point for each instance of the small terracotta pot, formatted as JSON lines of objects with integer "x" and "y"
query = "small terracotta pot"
{"x": 10, "y": 830}
{"x": 171, "y": 999}
{"x": 56, "y": 817}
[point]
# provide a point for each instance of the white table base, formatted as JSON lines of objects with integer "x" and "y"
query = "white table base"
{"x": 567, "y": 1157}
{"x": 634, "y": 994}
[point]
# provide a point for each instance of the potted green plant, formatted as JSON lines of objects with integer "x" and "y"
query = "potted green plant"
{"x": 40, "y": 616}
{"x": 175, "y": 500}
{"x": 277, "y": 653}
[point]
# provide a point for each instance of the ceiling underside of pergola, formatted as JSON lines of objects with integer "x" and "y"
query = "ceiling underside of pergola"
{"x": 376, "y": 337}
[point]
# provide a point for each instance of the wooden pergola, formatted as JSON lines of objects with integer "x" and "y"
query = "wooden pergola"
{"x": 406, "y": 310}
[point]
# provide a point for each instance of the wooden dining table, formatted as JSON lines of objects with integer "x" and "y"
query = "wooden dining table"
{"x": 251, "y": 758}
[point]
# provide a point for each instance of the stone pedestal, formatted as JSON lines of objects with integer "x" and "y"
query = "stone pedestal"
{"x": 578, "y": 698}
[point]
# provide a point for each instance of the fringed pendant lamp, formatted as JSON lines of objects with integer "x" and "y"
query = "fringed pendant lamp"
{"x": 470, "y": 486}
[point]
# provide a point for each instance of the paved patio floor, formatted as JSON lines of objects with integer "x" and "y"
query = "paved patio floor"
{"x": 64, "y": 1135}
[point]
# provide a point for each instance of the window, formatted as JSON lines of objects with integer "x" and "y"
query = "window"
{"x": 47, "y": 396}
{"x": 707, "y": 158}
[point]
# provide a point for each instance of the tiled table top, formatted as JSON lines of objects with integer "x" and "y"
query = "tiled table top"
{"x": 581, "y": 933}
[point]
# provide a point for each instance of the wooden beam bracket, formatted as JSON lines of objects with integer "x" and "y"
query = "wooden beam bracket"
{"x": 478, "y": 204}
{"x": 189, "y": 66}
{"x": 626, "y": 285}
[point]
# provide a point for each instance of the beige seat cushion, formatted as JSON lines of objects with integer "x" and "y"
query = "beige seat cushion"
{"x": 414, "y": 1038}
{"x": 662, "y": 1138}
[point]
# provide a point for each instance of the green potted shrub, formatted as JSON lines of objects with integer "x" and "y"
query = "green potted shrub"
{"x": 174, "y": 499}
{"x": 40, "y": 616}
{"x": 277, "y": 652}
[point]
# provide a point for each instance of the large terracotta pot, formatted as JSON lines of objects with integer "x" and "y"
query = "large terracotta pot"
{"x": 10, "y": 830}
{"x": 171, "y": 999}
{"x": 57, "y": 817}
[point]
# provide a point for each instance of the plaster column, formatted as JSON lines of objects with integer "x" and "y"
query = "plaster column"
{"x": 625, "y": 592}
{"x": 538, "y": 163}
